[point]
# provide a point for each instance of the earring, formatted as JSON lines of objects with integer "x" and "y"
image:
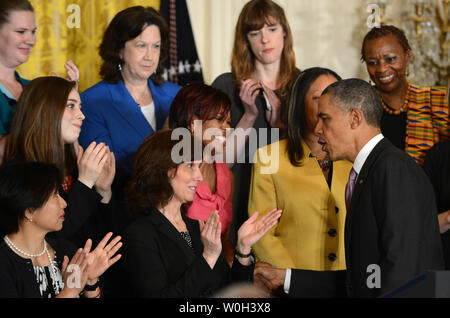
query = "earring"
{"x": 119, "y": 67}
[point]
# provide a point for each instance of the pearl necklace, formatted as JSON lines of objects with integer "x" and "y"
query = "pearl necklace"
{"x": 56, "y": 286}
{"x": 15, "y": 248}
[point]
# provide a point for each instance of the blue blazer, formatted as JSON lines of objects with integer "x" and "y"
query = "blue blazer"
{"x": 113, "y": 117}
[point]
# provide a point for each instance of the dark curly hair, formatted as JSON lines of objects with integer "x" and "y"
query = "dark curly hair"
{"x": 382, "y": 31}
{"x": 126, "y": 26}
{"x": 149, "y": 186}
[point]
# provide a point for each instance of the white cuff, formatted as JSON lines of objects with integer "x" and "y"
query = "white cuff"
{"x": 287, "y": 281}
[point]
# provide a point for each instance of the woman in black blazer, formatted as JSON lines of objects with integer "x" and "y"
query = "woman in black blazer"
{"x": 166, "y": 254}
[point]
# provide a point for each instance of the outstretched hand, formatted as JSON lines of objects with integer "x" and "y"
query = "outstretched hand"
{"x": 252, "y": 230}
{"x": 102, "y": 257}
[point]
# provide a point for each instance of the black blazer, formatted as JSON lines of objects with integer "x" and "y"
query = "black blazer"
{"x": 391, "y": 222}
{"x": 158, "y": 262}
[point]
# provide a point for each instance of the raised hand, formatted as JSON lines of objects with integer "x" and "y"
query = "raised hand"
{"x": 210, "y": 236}
{"x": 73, "y": 74}
{"x": 273, "y": 115}
{"x": 252, "y": 230}
{"x": 91, "y": 162}
{"x": 103, "y": 256}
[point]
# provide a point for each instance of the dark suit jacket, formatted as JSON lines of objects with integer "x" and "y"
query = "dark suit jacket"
{"x": 158, "y": 262}
{"x": 113, "y": 117}
{"x": 391, "y": 222}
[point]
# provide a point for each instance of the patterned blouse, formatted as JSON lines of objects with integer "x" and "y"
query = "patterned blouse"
{"x": 428, "y": 120}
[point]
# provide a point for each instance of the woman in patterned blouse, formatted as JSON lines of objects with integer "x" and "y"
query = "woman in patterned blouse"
{"x": 415, "y": 117}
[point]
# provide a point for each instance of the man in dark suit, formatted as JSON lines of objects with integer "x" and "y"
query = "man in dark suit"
{"x": 391, "y": 228}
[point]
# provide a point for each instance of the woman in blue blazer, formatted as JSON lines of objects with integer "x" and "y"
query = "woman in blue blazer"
{"x": 133, "y": 100}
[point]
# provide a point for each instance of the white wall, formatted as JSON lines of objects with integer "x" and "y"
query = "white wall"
{"x": 326, "y": 33}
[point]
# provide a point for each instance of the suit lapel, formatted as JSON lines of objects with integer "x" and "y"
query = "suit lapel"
{"x": 128, "y": 109}
{"x": 170, "y": 232}
{"x": 359, "y": 186}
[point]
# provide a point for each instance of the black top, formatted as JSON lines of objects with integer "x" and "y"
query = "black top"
{"x": 17, "y": 277}
{"x": 437, "y": 167}
{"x": 243, "y": 171}
{"x": 158, "y": 262}
{"x": 393, "y": 127}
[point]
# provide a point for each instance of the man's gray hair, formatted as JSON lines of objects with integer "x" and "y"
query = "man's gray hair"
{"x": 355, "y": 93}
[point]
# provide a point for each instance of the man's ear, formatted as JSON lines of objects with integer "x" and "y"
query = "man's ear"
{"x": 356, "y": 117}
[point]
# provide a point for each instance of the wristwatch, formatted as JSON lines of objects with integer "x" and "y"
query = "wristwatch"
{"x": 91, "y": 287}
{"x": 238, "y": 253}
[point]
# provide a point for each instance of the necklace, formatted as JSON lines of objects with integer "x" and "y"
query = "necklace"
{"x": 15, "y": 248}
{"x": 402, "y": 109}
{"x": 53, "y": 271}
{"x": 325, "y": 164}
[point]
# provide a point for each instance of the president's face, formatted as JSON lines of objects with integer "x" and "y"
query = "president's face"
{"x": 334, "y": 130}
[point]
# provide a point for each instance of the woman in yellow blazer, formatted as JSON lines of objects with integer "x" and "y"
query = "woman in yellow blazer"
{"x": 307, "y": 245}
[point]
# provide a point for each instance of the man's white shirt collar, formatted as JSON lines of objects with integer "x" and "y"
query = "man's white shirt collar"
{"x": 365, "y": 152}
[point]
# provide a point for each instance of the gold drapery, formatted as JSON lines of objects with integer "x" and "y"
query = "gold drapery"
{"x": 59, "y": 39}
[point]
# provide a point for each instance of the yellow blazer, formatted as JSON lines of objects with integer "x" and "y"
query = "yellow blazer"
{"x": 310, "y": 232}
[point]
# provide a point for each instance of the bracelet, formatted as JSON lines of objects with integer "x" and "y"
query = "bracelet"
{"x": 236, "y": 252}
{"x": 97, "y": 296}
{"x": 91, "y": 287}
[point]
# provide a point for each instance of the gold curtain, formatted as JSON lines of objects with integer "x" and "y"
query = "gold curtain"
{"x": 61, "y": 38}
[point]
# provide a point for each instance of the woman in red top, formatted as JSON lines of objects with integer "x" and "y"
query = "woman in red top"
{"x": 205, "y": 112}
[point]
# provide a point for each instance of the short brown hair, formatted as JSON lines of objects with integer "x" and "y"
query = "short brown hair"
{"x": 126, "y": 26}
{"x": 149, "y": 185}
{"x": 36, "y": 126}
{"x": 382, "y": 31}
{"x": 7, "y": 6}
{"x": 253, "y": 16}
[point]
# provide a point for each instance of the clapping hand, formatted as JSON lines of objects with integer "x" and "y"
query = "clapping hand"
{"x": 273, "y": 115}
{"x": 106, "y": 178}
{"x": 74, "y": 274}
{"x": 91, "y": 162}
{"x": 102, "y": 257}
{"x": 252, "y": 230}
{"x": 248, "y": 92}
{"x": 210, "y": 236}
